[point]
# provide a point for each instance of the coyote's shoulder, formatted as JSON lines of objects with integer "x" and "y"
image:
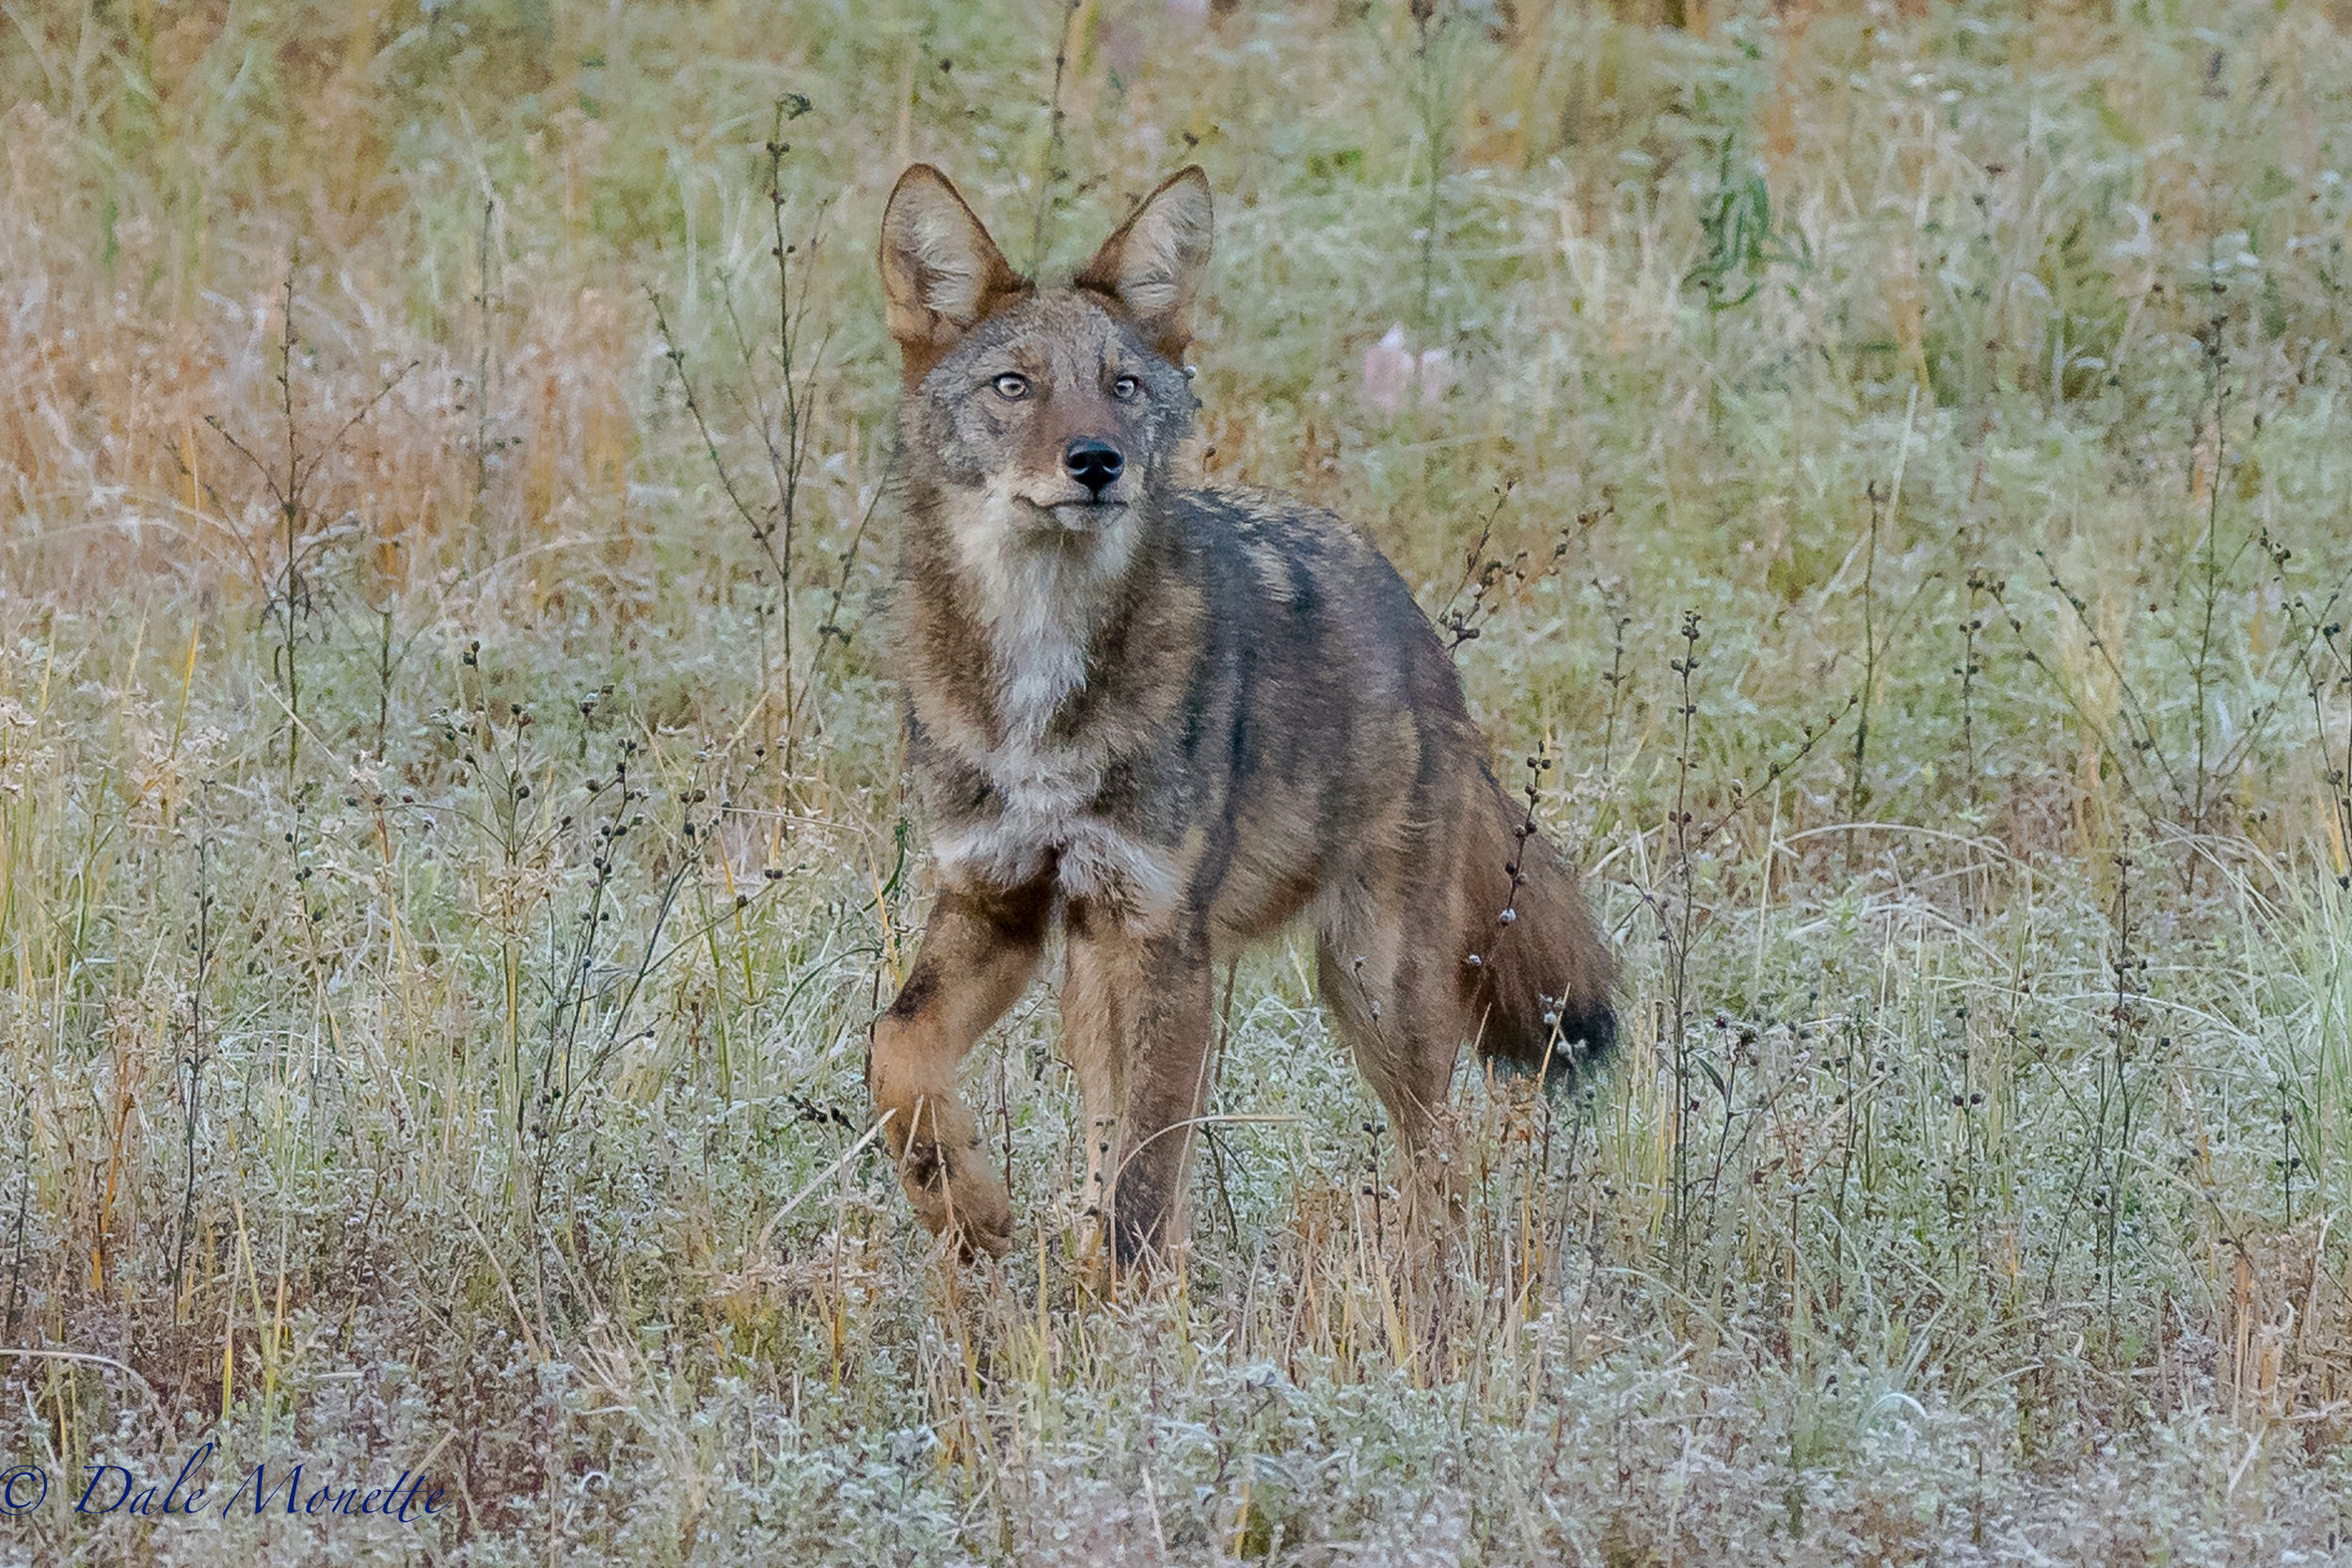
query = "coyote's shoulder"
{"x": 1175, "y": 718}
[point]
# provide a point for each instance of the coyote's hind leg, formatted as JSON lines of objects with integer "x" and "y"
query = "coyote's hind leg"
{"x": 1402, "y": 1022}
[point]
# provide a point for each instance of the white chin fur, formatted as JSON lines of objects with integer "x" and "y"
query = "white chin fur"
{"x": 1082, "y": 517}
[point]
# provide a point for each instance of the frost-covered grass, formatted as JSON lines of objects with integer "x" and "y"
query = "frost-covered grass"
{"x": 437, "y": 973}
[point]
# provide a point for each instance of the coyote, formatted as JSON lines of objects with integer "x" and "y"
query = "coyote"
{"x": 1174, "y": 718}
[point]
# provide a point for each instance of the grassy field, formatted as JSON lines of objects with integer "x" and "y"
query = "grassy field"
{"x": 1897, "y": 463}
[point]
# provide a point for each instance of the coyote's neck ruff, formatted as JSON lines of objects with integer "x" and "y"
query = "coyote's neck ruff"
{"x": 1008, "y": 619}
{"x": 1175, "y": 719}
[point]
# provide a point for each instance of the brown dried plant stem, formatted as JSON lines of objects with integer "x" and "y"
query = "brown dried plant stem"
{"x": 291, "y": 493}
{"x": 774, "y": 526}
{"x": 1682, "y": 876}
{"x": 201, "y": 941}
{"x": 1053, "y": 174}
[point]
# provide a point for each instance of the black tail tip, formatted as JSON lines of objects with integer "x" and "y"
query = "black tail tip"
{"x": 1571, "y": 1054}
{"x": 1596, "y": 1032}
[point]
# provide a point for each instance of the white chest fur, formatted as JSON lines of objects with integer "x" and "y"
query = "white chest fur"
{"x": 1038, "y": 595}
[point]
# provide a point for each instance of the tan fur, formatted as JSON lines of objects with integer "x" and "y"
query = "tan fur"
{"x": 1175, "y": 719}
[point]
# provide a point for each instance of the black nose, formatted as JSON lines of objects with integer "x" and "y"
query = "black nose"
{"x": 1093, "y": 464}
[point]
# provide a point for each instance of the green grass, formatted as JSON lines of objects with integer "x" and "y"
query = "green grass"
{"x": 437, "y": 994}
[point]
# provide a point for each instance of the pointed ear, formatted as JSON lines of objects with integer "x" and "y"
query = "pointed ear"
{"x": 1154, "y": 265}
{"x": 942, "y": 275}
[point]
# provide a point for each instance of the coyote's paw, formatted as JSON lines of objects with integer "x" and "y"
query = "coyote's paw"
{"x": 955, "y": 1193}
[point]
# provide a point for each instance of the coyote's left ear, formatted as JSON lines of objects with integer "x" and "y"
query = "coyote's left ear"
{"x": 1153, "y": 266}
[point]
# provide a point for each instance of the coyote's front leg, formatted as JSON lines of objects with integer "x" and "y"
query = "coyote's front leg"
{"x": 1135, "y": 1011}
{"x": 980, "y": 948}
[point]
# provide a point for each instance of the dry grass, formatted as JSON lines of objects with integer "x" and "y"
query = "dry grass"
{"x": 445, "y": 882}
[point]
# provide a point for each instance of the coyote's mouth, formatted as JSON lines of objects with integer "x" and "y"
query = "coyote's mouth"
{"x": 1083, "y": 516}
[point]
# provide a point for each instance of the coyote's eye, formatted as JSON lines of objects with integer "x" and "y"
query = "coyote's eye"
{"x": 1011, "y": 387}
{"x": 1126, "y": 389}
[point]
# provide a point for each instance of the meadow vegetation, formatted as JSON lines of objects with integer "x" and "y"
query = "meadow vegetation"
{"x": 1886, "y": 471}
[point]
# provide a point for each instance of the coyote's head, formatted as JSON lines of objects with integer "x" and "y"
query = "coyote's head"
{"x": 1037, "y": 415}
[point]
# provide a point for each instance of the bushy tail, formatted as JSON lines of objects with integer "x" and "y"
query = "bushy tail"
{"x": 1541, "y": 999}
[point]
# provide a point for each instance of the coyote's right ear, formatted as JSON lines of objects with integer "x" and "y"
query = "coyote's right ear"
{"x": 942, "y": 275}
